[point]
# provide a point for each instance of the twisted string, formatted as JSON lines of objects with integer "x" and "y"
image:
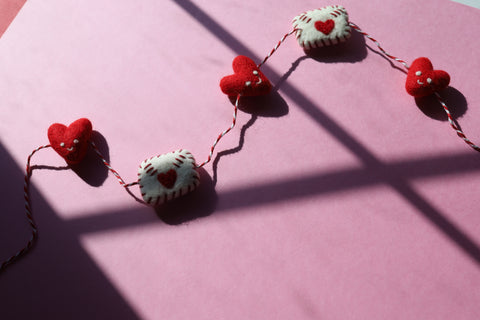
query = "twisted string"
{"x": 235, "y": 110}
{"x": 276, "y": 47}
{"x": 109, "y": 167}
{"x": 452, "y": 122}
{"x": 221, "y": 135}
{"x": 28, "y": 213}
{"x": 354, "y": 26}
{"x": 455, "y": 126}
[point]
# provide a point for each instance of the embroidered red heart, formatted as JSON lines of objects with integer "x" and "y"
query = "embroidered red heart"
{"x": 168, "y": 178}
{"x": 247, "y": 79}
{"x": 423, "y": 80}
{"x": 325, "y": 27}
{"x": 321, "y": 27}
{"x": 71, "y": 142}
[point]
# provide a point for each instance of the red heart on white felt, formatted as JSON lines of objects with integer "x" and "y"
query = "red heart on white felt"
{"x": 167, "y": 176}
{"x": 325, "y": 27}
{"x": 322, "y": 27}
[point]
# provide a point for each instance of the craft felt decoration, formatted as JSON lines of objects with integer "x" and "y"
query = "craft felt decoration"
{"x": 174, "y": 174}
{"x": 322, "y": 27}
{"x": 167, "y": 176}
{"x": 423, "y": 80}
{"x": 247, "y": 79}
{"x": 71, "y": 142}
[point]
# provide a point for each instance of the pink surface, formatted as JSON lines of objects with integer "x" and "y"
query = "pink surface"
{"x": 339, "y": 199}
{"x": 8, "y": 11}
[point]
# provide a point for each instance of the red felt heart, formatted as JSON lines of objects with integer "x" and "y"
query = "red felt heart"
{"x": 71, "y": 142}
{"x": 168, "y": 179}
{"x": 325, "y": 27}
{"x": 423, "y": 80}
{"x": 247, "y": 79}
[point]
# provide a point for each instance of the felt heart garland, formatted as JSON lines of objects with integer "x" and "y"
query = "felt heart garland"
{"x": 174, "y": 174}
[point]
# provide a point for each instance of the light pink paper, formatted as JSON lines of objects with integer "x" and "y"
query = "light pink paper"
{"x": 340, "y": 199}
{"x": 8, "y": 11}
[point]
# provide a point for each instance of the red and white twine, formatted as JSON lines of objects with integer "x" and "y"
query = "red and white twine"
{"x": 109, "y": 167}
{"x": 28, "y": 173}
{"x": 354, "y": 26}
{"x": 116, "y": 174}
{"x": 28, "y": 170}
{"x": 439, "y": 98}
{"x": 221, "y": 135}
{"x": 454, "y": 125}
{"x": 28, "y": 213}
{"x": 276, "y": 47}
{"x": 235, "y": 110}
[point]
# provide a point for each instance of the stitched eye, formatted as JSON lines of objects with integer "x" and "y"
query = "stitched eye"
{"x": 62, "y": 144}
{"x": 418, "y": 73}
{"x": 75, "y": 141}
{"x": 255, "y": 72}
{"x": 429, "y": 80}
{"x": 248, "y": 83}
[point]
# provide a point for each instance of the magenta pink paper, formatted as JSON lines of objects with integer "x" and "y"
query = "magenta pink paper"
{"x": 340, "y": 197}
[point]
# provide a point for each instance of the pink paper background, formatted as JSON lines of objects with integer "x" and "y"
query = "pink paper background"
{"x": 8, "y": 11}
{"x": 339, "y": 199}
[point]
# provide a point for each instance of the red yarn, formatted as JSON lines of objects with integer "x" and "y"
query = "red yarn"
{"x": 247, "y": 79}
{"x": 423, "y": 80}
{"x": 71, "y": 142}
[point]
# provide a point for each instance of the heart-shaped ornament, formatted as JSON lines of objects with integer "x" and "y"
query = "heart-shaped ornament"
{"x": 322, "y": 27}
{"x": 167, "y": 176}
{"x": 423, "y": 80}
{"x": 71, "y": 142}
{"x": 247, "y": 79}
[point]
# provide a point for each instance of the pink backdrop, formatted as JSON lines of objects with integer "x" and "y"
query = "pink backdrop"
{"x": 340, "y": 198}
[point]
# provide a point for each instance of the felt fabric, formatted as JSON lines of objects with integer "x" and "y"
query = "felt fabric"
{"x": 247, "y": 79}
{"x": 423, "y": 80}
{"x": 322, "y": 27}
{"x": 167, "y": 176}
{"x": 71, "y": 142}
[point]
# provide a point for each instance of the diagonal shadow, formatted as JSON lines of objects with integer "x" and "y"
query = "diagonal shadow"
{"x": 58, "y": 279}
{"x": 337, "y": 132}
{"x": 69, "y": 283}
{"x": 59, "y": 255}
{"x": 306, "y": 186}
